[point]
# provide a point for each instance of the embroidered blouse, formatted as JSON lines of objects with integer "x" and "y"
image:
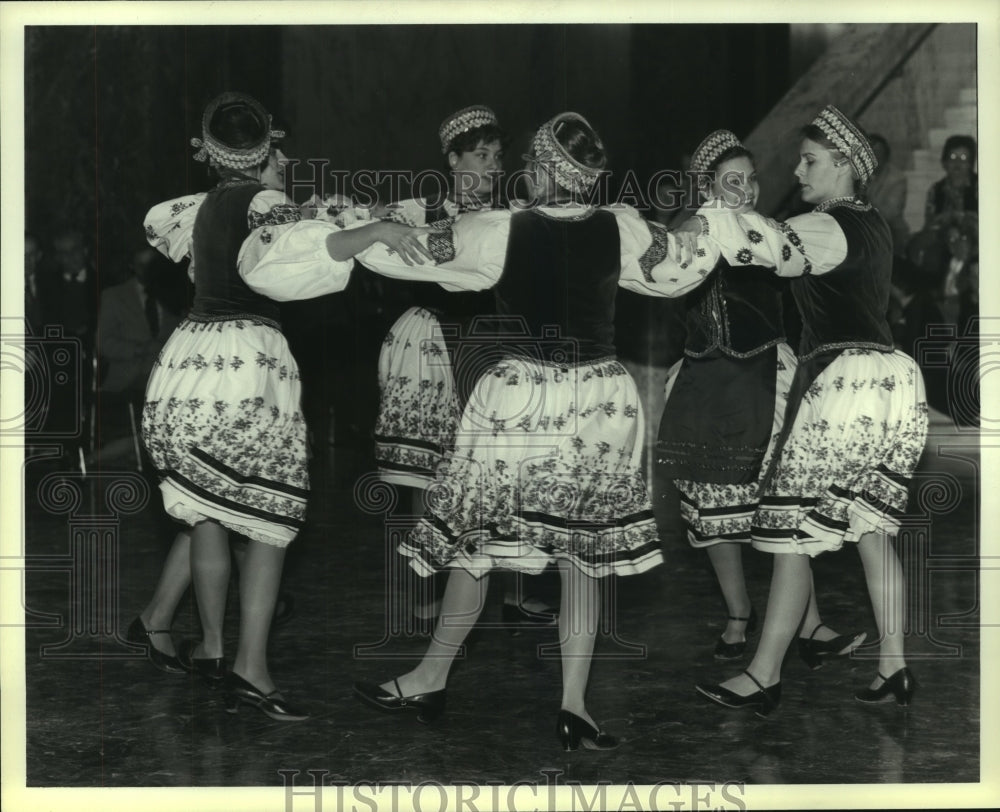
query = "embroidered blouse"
{"x": 284, "y": 257}
{"x": 840, "y": 258}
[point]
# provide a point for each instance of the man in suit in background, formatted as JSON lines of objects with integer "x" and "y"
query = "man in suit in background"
{"x": 132, "y": 326}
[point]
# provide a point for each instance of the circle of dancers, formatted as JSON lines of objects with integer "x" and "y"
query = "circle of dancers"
{"x": 523, "y": 452}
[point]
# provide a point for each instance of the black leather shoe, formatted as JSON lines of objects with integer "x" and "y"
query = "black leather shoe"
{"x": 733, "y": 651}
{"x": 813, "y": 651}
{"x": 212, "y": 670}
{"x": 763, "y": 701}
{"x": 900, "y": 685}
{"x": 140, "y": 635}
{"x": 574, "y": 731}
{"x": 240, "y": 692}
{"x": 428, "y": 706}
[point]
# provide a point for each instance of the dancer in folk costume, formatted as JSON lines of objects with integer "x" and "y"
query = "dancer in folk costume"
{"x": 857, "y": 416}
{"x": 425, "y": 372}
{"x": 725, "y": 403}
{"x": 546, "y": 465}
{"x": 222, "y": 418}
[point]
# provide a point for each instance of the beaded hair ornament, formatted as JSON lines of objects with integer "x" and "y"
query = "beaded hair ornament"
{"x": 567, "y": 172}
{"x": 848, "y": 139}
{"x": 468, "y": 118}
{"x": 209, "y": 146}
{"x": 713, "y": 145}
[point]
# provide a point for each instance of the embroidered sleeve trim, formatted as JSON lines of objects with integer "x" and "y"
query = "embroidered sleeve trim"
{"x": 441, "y": 244}
{"x": 278, "y": 215}
{"x": 656, "y": 252}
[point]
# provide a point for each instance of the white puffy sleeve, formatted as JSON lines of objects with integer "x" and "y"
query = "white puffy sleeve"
{"x": 170, "y": 225}
{"x": 657, "y": 262}
{"x": 812, "y": 243}
{"x": 285, "y": 257}
{"x": 468, "y": 254}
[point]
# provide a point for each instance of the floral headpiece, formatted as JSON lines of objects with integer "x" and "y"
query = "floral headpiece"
{"x": 847, "y": 138}
{"x": 468, "y": 118}
{"x": 210, "y": 146}
{"x": 568, "y": 173}
{"x": 713, "y": 145}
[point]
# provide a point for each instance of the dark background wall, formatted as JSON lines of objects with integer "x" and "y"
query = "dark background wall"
{"x": 109, "y": 110}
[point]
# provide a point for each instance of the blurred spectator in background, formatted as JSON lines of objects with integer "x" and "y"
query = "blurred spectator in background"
{"x": 133, "y": 325}
{"x": 887, "y": 193}
{"x": 954, "y": 200}
{"x": 70, "y": 291}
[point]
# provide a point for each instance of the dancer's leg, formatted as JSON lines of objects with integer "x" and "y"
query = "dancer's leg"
{"x": 727, "y": 561}
{"x": 210, "y": 567}
{"x": 886, "y": 588}
{"x": 463, "y": 601}
{"x": 579, "y": 615}
{"x": 786, "y": 604}
{"x": 175, "y": 578}
{"x": 260, "y": 578}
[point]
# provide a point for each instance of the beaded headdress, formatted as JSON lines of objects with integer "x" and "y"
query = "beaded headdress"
{"x": 210, "y": 146}
{"x": 568, "y": 173}
{"x": 848, "y": 139}
{"x": 711, "y": 147}
{"x": 468, "y": 118}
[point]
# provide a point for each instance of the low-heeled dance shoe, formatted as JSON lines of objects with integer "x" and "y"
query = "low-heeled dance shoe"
{"x": 763, "y": 701}
{"x": 211, "y": 669}
{"x": 140, "y": 635}
{"x": 240, "y": 692}
{"x": 813, "y": 651}
{"x": 900, "y": 685}
{"x": 733, "y": 651}
{"x": 428, "y": 706}
{"x": 574, "y": 731}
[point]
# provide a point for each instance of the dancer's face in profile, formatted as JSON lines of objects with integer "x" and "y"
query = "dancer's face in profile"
{"x": 821, "y": 175}
{"x": 273, "y": 175}
{"x": 477, "y": 169}
{"x": 736, "y": 184}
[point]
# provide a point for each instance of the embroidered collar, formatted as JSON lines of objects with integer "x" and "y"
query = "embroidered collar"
{"x": 230, "y": 182}
{"x": 846, "y": 202}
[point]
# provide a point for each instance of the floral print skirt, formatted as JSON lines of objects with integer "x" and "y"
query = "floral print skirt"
{"x": 546, "y": 466}
{"x": 223, "y": 424}
{"x": 714, "y": 512}
{"x": 852, "y": 447}
{"x": 418, "y": 411}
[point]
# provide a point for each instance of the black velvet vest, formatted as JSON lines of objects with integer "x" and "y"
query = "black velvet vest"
{"x": 561, "y": 277}
{"x": 847, "y": 307}
{"x": 220, "y": 228}
{"x": 737, "y": 311}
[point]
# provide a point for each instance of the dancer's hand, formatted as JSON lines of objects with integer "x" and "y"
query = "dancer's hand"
{"x": 403, "y": 240}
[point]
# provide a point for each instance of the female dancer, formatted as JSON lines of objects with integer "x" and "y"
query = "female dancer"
{"x": 546, "y": 460}
{"x": 424, "y": 381}
{"x": 222, "y": 419}
{"x": 857, "y": 417}
{"x": 725, "y": 405}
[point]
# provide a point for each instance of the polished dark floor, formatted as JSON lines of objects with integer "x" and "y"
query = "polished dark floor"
{"x": 98, "y": 716}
